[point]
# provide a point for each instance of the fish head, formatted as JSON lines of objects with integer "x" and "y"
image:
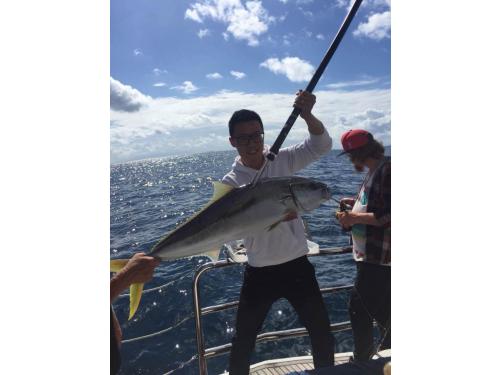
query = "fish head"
{"x": 308, "y": 194}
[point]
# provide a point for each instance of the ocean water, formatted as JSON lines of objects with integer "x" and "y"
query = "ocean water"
{"x": 148, "y": 199}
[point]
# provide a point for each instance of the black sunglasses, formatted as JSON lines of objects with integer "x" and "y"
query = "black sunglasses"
{"x": 244, "y": 140}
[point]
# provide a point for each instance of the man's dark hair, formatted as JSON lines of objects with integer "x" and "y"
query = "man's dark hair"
{"x": 374, "y": 149}
{"x": 243, "y": 115}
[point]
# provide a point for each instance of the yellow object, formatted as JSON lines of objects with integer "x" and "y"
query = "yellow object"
{"x": 135, "y": 298}
{"x": 220, "y": 190}
{"x": 117, "y": 265}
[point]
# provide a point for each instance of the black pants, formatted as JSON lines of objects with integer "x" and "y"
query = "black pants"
{"x": 370, "y": 300}
{"x": 295, "y": 281}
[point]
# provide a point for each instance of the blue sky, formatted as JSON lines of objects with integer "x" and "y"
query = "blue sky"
{"x": 180, "y": 68}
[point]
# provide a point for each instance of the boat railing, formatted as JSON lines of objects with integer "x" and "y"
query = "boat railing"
{"x": 207, "y": 353}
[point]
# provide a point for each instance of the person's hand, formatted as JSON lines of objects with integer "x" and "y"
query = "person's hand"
{"x": 346, "y": 219}
{"x": 305, "y": 101}
{"x": 140, "y": 268}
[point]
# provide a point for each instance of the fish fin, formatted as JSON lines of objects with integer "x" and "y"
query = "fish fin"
{"x": 272, "y": 226}
{"x": 289, "y": 215}
{"x": 212, "y": 254}
{"x": 135, "y": 298}
{"x": 135, "y": 289}
{"x": 117, "y": 264}
{"x": 220, "y": 189}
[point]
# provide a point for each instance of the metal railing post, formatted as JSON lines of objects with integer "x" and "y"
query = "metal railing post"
{"x": 202, "y": 362}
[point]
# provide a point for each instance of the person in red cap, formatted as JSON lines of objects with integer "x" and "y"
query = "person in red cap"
{"x": 370, "y": 223}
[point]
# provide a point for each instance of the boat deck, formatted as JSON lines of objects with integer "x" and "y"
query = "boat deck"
{"x": 301, "y": 364}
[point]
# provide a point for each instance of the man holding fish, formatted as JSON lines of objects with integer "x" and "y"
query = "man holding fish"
{"x": 277, "y": 263}
{"x": 265, "y": 215}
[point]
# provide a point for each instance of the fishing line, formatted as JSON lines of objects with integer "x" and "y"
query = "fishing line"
{"x": 382, "y": 338}
{"x": 157, "y": 287}
{"x": 385, "y": 328}
{"x": 183, "y": 364}
{"x": 159, "y": 332}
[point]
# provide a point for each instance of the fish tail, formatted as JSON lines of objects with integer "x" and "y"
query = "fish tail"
{"x": 135, "y": 298}
{"x": 117, "y": 265}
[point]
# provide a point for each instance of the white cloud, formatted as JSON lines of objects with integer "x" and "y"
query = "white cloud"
{"x": 295, "y": 69}
{"x": 340, "y": 85}
{"x": 159, "y": 84}
{"x": 225, "y": 36}
{"x": 125, "y": 98}
{"x": 158, "y": 71}
{"x": 304, "y": 1}
{"x": 307, "y": 13}
{"x": 286, "y": 39}
{"x": 369, "y": 4}
{"x": 320, "y": 37}
{"x": 192, "y": 14}
{"x": 187, "y": 87}
{"x": 203, "y": 33}
{"x": 374, "y": 114}
{"x": 380, "y": 3}
{"x": 377, "y": 27}
{"x": 238, "y": 75}
{"x": 244, "y": 22}
{"x": 214, "y": 75}
{"x": 347, "y": 3}
{"x": 173, "y": 126}
{"x": 137, "y": 52}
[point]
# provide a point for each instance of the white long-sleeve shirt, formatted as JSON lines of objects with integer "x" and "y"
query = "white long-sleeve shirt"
{"x": 287, "y": 241}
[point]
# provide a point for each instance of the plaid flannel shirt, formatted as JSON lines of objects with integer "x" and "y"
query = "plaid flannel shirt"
{"x": 378, "y": 239}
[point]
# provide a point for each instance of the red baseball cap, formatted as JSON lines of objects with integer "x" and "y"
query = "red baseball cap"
{"x": 354, "y": 139}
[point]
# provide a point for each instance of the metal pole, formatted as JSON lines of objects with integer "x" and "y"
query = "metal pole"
{"x": 310, "y": 87}
{"x": 200, "y": 341}
{"x": 202, "y": 362}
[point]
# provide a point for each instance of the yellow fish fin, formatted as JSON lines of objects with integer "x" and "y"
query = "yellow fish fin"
{"x": 220, "y": 190}
{"x": 135, "y": 298}
{"x": 135, "y": 289}
{"x": 212, "y": 254}
{"x": 118, "y": 264}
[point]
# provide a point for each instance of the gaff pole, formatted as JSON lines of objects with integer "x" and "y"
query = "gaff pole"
{"x": 310, "y": 87}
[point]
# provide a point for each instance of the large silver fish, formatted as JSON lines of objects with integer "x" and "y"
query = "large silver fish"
{"x": 234, "y": 213}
